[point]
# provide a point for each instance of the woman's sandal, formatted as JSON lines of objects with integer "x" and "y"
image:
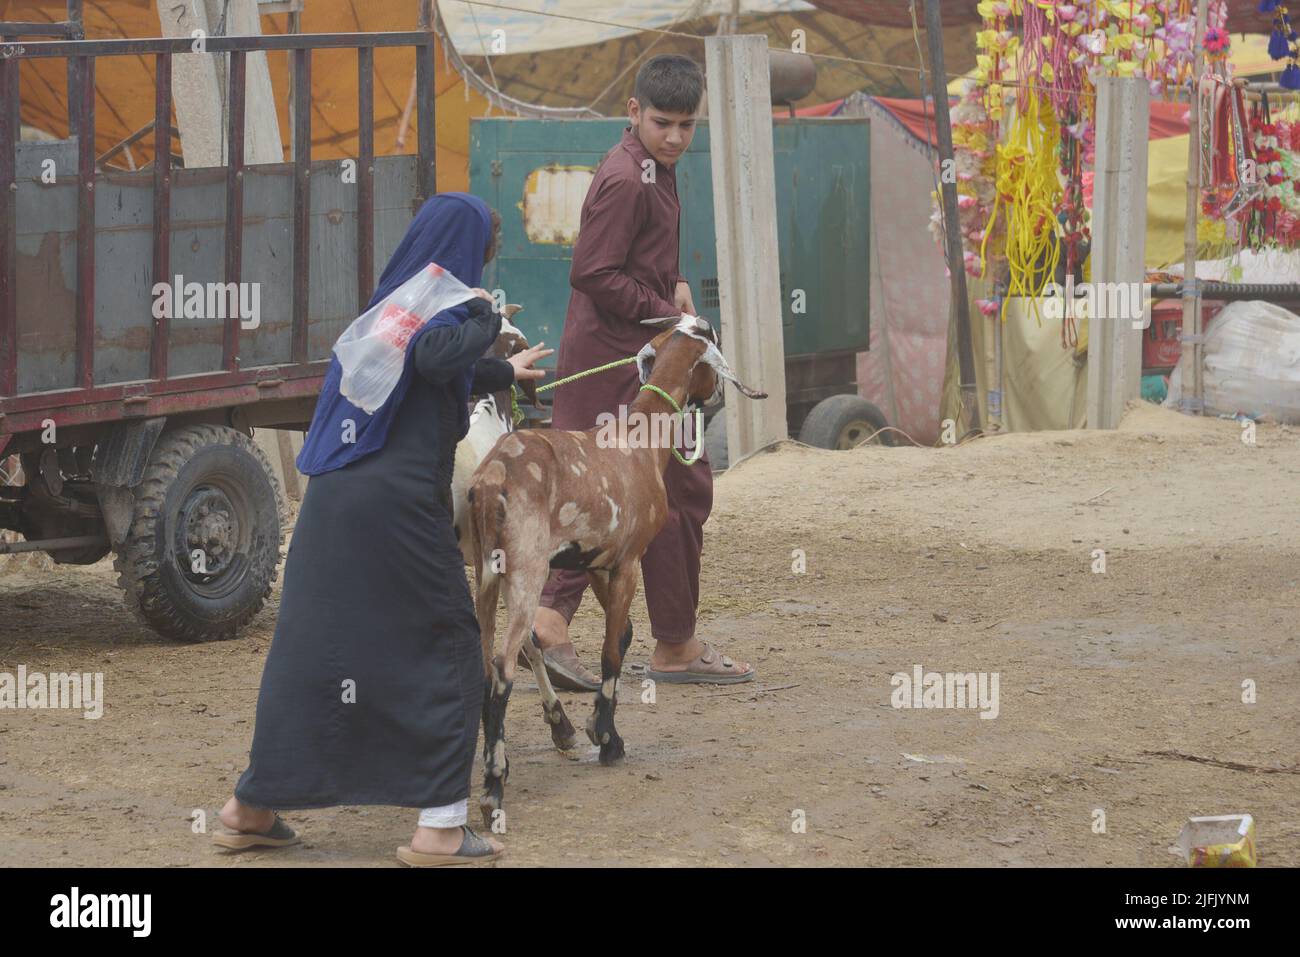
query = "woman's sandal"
{"x": 279, "y": 835}
{"x": 710, "y": 668}
{"x": 473, "y": 848}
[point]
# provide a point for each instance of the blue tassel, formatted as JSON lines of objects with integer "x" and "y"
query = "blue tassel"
{"x": 1290, "y": 78}
{"x": 1278, "y": 48}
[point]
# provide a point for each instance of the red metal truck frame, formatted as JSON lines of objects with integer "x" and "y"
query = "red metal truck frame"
{"x": 88, "y": 404}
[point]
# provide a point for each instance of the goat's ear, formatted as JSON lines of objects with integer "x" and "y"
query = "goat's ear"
{"x": 715, "y": 358}
{"x": 664, "y": 322}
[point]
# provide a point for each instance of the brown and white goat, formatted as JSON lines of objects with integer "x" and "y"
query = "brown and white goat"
{"x": 548, "y": 499}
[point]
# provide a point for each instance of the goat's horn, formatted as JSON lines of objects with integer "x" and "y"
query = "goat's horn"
{"x": 663, "y": 322}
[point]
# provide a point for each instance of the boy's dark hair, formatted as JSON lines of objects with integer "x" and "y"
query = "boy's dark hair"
{"x": 672, "y": 83}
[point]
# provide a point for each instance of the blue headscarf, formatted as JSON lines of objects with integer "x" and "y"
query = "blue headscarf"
{"x": 451, "y": 229}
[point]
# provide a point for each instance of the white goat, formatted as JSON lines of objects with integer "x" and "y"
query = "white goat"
{"x": 492, "y": 418}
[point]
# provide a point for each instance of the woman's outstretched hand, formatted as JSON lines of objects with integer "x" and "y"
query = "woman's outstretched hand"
{"x": 523, "y": 362}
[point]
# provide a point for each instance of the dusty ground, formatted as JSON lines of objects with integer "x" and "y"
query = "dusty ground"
{"x": 976, "y": 558}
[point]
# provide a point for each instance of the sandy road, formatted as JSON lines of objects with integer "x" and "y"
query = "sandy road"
{"x": 971, "y": 559}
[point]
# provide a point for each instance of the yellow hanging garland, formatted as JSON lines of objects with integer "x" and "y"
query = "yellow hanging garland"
{"x": 1028, "y": 190}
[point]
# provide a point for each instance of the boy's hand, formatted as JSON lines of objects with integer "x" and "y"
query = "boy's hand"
{"x": 682, "y": 298}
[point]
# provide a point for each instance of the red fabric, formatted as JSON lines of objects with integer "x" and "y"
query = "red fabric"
{"x": 821, "y": 109}
{"x": 1167, "y": 119}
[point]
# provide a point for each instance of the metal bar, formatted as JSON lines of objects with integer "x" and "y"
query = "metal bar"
{"x": 952, "y": 225}
{"x": 85, "y": 95}
{"x": 1227, "y": 292}
{"x": 365, "y": 176}
{"x": 234, "y": 201}
{"x": 10, "y": 131}
{"x": 51, "y": 544}
{"x": 144, "y": 46}
{"x": 162, "y": 206}
{"x": 1192, "y": 354}
{"x": 301, "y": 201}
{"x": 426, "y": 119}
{"x": 20, "y": 28}
{"x": 125, "y": 144}
{"x": 168, "y": 397}
{"x": 74, "y": 84}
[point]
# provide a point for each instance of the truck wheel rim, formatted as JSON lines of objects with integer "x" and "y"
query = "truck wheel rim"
{"x": 854, "y": 434}
{"x": 213, "y": 539}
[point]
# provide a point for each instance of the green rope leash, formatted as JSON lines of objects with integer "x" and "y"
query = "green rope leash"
{"x": 699, "y": 426}
{"x": 583, "y": 375}
{"x": 518, "y": 414}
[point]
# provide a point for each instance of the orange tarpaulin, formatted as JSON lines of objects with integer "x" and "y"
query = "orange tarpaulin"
{"x": 124, "y": 84}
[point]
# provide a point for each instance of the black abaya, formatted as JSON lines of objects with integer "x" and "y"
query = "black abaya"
{"x": 373, "y": 683}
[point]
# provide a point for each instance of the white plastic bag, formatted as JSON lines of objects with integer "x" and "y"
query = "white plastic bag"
{"x": 372, "y": 350}
{"x": 1252, "y": 363}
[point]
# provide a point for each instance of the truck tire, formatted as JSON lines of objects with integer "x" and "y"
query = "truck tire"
{"x": 715, "y": 441}
{"x": 204, "y": 542}
{"x": 843, "y": 422}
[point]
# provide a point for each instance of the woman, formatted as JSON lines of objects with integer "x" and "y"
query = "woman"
{"x": 374, "y": 681}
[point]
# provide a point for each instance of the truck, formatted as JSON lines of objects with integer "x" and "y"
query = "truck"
{"x": 131, "y": 374}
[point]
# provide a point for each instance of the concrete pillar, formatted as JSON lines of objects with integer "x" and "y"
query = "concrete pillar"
{"x": 1119, "y": 219}
{"x": 744, "y": 209}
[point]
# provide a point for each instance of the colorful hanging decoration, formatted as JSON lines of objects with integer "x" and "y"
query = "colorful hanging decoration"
{"x": 1043, "y": 58}
{"x": 1282, "y": 42}
{"x": 974, "y": 135}
{"x": 1217, "y": 44}
{"x": 1265, "y": 214}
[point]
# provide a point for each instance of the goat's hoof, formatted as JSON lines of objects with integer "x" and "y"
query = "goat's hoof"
{"x": 488, "y": 805}
{"x": 592, "y": 736}
{"x": 565, "y": 742}
{"x": 494, "y": 795}
{"x": 612, "y": 751}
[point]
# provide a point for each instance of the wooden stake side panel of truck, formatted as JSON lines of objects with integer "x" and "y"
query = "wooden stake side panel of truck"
{"x": 150, "y": 319}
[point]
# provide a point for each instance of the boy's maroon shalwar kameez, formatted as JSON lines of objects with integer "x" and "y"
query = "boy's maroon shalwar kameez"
{"x": 625, "y": 268}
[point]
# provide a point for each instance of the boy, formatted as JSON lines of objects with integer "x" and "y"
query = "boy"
{"x": 625, "y": 270}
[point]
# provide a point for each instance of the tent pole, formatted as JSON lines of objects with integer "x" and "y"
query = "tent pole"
{"x": 1193, "y": 351}
{"x": 952, "y": 225}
